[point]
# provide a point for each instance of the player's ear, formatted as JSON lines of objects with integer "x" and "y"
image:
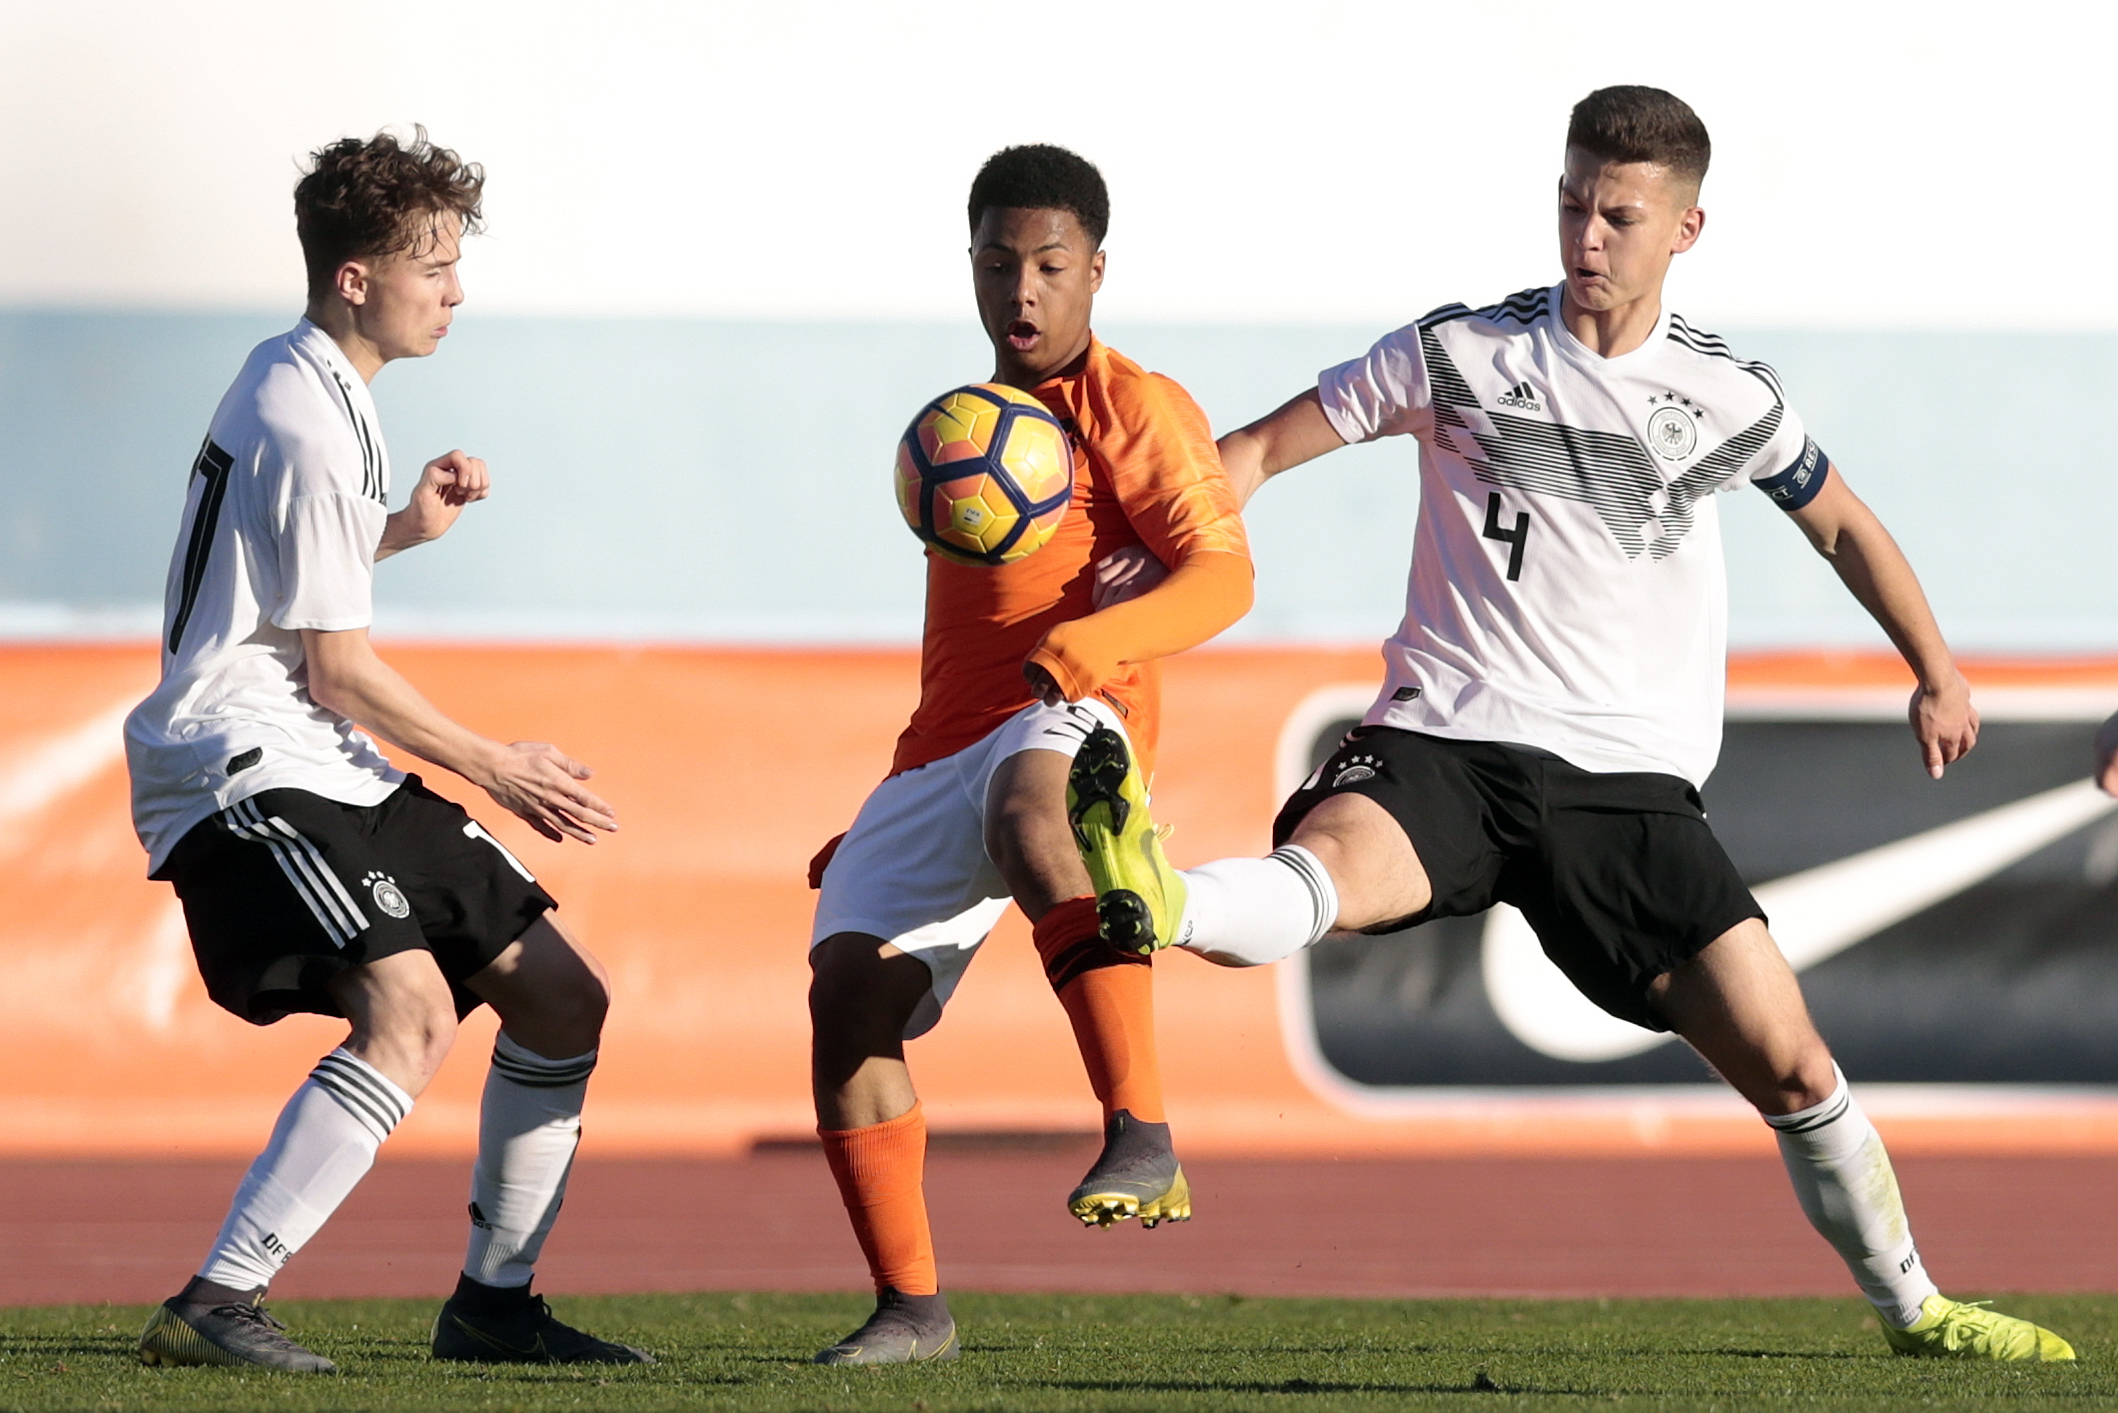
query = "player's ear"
{"x": 1689, "y": 225}
{"x": 1095, "y": 272}
{"x": 351, "y": 282}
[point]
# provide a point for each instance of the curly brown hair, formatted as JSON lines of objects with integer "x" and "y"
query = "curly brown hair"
{"x": 367, "y": 199}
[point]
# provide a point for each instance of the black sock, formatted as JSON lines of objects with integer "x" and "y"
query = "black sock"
{"x": 489, "y": 1299}
{"x": 200, "y": 1291}
{"x": 1126, "y": 1138}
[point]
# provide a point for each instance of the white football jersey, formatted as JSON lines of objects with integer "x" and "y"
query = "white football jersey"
{"x": 1567, "y": 589}
{"x": 284, "y": 510}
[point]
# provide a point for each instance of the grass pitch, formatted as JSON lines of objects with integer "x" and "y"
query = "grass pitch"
{"x": 726, "y": 1351}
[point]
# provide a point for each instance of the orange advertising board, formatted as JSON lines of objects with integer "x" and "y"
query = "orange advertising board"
{"x": 729, "y": 767}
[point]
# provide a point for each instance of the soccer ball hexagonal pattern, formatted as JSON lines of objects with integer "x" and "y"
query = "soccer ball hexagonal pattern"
{"x": 984, "y": 474}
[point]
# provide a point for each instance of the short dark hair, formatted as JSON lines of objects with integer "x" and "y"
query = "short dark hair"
{"x": 1634, "y": 123}
{"x": 365, "y": 199}
{"x": 1042, "y": 177}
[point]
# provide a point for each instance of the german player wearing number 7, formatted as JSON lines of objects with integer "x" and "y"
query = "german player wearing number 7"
{"x": 1554, "y": 693}
{"x": 316, "y": 877}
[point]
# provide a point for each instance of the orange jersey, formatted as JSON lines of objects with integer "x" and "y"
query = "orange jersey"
{"x": 1145, "y": 473}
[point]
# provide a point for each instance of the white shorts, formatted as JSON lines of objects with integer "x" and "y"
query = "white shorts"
{"x": 913, "y": 868}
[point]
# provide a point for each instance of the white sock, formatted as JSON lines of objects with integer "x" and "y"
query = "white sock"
{"x": 322, "y": 1146}
{"x": 1844, "y": 1181}
{"x": 1250, "y": 912}
{"x": 528, "y": 1128}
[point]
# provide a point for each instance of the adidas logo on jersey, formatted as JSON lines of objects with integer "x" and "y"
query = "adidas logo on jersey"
{"x": 1521, "y": 397}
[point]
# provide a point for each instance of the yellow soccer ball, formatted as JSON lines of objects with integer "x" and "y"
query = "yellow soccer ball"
{"x": 984, "y": 474}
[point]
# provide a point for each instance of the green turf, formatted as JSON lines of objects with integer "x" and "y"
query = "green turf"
{"x": 1104, "y": 1353}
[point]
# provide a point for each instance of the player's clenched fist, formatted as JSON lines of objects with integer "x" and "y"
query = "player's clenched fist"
{"x": 446, "y": 485}
{"x": 540, "y": 784}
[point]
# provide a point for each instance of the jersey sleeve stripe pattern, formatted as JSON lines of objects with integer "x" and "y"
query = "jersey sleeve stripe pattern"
{"x": 370, "y": 462}
{"x": 1731, "y": 456}
{"x": 1524, "y": 307}
{"x": 212, "y": 466}
{"x": 303, "y": 864}
{"x": 1714, "y": 346}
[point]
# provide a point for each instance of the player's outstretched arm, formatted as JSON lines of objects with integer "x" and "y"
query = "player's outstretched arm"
{"x": 534, "y": 780}
{"x": 1179, "y": 610}
{"x": 1290, "y": 434}
{"x": 1848, "y": 534}
{"x": 446, "y": 485}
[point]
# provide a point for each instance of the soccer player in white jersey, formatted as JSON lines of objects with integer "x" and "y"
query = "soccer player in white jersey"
{"x": 314, "y": 876}
{"x": 1553, "y": 697}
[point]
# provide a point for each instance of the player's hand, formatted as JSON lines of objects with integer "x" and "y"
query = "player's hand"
{"x": 541, "y": 785}
{"x": 446, "y": 485}
{"x": 1043, "y": 684}
{"x": 2107, "y": 757}
{"x": 1125, "y": 574}
{"x": 1945, "y": 722}
{"x": 822, "y": 861}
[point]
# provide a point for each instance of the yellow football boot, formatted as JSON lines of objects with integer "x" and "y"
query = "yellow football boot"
{"x": 1956, "y": 1329}
{"x": 1139, "y": 897}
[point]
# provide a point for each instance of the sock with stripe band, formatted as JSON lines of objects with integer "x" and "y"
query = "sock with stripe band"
{"x": 322, "y": 1146}
{"x": 881, "y": 1175}
{"x": 1252, "y": 912}
{"x": 1848, "y": 1190}
{"x": 529, "y": 1125}
{"x": 1109, "y": 997}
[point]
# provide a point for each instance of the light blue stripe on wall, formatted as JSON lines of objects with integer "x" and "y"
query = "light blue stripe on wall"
{"x": 729, "y": 481}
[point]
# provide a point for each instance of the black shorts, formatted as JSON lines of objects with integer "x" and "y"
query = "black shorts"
{"x": 286, "y": 889}
{"x": 1618, "y": 873}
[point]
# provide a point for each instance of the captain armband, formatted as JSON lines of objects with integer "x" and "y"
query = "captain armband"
{"x": 1796, "y": 486}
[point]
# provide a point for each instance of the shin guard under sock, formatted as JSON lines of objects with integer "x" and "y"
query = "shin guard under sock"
{"x": 322, "y": 1146}
{"x": 1109, "y": 997}
{"x": 881, "y": 1171}
{"x": 1252, "y": 912}
{"x": 1843, "y": 1179}
{"x": 529, "y": 1124}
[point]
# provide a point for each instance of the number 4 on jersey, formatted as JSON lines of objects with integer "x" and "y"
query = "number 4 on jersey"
{"x": 1515, "y": 538}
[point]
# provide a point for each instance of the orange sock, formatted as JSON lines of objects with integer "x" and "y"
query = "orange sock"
{"x": 880, "y": 1171}
{"x": 1110, "y": 997}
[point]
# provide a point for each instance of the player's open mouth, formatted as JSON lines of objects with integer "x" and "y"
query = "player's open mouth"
{"x": 1021, "y": 333}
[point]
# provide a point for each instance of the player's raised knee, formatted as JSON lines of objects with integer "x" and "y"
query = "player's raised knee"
{"x": 1371, "y": 862}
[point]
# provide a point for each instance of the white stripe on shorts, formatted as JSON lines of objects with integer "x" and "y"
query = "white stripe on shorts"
{"x": 303, "y": 864}
{"x": 472, "y": 829}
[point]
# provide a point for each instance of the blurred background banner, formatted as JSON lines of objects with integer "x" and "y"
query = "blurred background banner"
{"x": 725, "y": 265}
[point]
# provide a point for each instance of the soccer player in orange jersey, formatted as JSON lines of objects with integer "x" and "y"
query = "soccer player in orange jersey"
{"x": 1020, "y": 664}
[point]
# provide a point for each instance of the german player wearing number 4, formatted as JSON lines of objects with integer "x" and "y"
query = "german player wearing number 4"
{"x": 1554, "y": 693}
{"x": 314, "y": 876}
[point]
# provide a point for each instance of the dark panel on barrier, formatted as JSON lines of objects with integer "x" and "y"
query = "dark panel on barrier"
{"x": 2012, "y": 980}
